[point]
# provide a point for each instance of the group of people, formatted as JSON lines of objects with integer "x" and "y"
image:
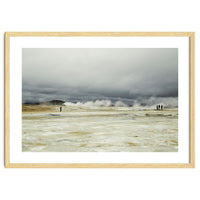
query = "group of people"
{"x": 159, "y": 107}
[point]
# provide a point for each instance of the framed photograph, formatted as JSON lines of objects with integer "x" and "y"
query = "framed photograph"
{"x": 99, "y": 99}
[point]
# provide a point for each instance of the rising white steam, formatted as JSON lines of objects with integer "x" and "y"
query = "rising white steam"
{"x": 150, "y": 103}
{"x": 96, "y": 103}
{"x": 120, "y": 104}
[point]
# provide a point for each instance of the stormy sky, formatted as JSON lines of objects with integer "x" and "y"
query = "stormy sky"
{"x": 81, "y": 74}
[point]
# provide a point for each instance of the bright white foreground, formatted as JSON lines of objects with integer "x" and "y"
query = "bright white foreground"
{"x": 100, "y": 129}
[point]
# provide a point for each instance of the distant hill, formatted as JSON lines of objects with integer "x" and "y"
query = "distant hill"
{"x": 52, "y": 102}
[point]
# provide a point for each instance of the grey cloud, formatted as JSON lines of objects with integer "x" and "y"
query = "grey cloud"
{"x": 119, "y": 73}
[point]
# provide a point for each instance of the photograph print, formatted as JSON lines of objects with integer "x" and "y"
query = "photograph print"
{"x": 100, "y": 100}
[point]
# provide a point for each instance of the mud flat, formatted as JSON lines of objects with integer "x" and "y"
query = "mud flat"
{"x": 38, "y": 108}
{"x": 98, "y": 129}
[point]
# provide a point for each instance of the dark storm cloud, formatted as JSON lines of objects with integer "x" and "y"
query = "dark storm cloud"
{"x": 119, "y": 73}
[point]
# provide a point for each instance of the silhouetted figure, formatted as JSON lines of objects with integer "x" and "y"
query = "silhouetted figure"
{"x": 159, "y": 107}
{"x": 60, "y": 108}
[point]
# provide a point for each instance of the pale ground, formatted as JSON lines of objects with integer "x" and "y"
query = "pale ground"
{"x": 98, "y": 129}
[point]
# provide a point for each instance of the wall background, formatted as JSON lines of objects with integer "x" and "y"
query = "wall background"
{"x": 88, "y": 15}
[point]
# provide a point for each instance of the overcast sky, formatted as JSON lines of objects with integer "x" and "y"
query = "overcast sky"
{"x": 121, "y": 72}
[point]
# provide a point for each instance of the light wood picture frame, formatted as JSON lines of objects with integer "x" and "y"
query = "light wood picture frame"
{"x": 191, "y": 117}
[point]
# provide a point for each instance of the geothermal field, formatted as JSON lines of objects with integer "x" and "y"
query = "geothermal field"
{"x": 90, "y": 128}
